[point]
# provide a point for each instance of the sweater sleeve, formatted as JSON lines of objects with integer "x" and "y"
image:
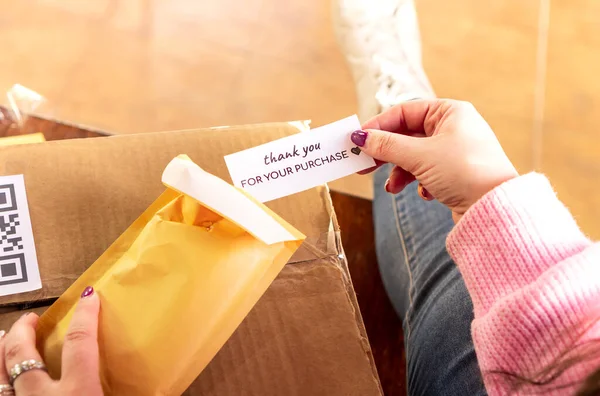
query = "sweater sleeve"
{"x": 534, "y": 279}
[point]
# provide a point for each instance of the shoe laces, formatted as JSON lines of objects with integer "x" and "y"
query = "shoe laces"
{"x": 397, "y": 77}
{"x": 391, "y": 82}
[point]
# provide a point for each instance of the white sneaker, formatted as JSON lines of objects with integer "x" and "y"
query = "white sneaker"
{"x": 382, "y": 44}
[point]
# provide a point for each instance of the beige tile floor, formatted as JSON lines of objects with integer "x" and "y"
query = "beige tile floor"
{"x": 147, "y": 65}
{"x": 138, "y": 66}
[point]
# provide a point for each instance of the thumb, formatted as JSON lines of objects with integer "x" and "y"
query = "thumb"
{"x": 404, "y": 151}
{"x": 80, "y": 349}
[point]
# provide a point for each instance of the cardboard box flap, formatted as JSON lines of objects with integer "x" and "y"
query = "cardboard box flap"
{"x": 92, "y": 189}
{"x": 300, "y": 339}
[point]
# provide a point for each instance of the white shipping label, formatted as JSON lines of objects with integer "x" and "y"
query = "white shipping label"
{"x": 299, "y": 162}
{"x": 18, "y": 261}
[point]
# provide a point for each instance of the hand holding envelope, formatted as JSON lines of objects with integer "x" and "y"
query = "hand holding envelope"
{"x": 176, "y": 284}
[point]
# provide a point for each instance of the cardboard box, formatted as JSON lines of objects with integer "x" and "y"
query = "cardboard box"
{"x": 304, "y": 337}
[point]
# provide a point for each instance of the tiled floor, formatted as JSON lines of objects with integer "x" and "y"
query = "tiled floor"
{"x": 143, "y": 66}
{"x": 147, "y": 65}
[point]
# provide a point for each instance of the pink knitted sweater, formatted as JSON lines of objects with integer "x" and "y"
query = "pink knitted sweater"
{"x": 535, "y": 283}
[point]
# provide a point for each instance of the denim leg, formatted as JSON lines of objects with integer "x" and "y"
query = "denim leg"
{"x": 427, "y": 291}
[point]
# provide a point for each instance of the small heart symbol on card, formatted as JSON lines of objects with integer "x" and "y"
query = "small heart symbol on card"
{"x": 355, "y": 150}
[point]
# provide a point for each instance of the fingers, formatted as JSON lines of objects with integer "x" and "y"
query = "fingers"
{"x": 19, "y": 346}
{"x": 80, "y": 349}
{"x": 404, "y": 151}
{"x": 369, "y": 170}
{"x": 408, "y": 117}
{"x": 3, "y": 373}
{"x": 399, "y": 178}
{"x": 417, "y": 118}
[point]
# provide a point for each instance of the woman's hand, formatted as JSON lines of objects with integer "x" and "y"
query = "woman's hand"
{"x": 80, "y": 366}
{"x": 444, "y": 144}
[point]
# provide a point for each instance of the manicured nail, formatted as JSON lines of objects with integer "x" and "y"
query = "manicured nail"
{"x": 88, "y": 291}
{"x": 424, "y": 194}
{"x": 387, "y": 185}
{"x": 2, "y": 334}
{"x": 359, "y": 137}
{"x": 427, "y": 194}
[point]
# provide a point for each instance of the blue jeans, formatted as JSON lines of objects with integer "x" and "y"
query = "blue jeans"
{"x": 427, "y": 291}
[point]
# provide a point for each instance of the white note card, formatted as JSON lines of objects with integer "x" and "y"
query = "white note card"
{"x": 18, "y": 261}
{"x": 299, "y": 162}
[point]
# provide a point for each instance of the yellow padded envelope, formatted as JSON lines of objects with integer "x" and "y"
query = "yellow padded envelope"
{"x": 22, "y": 139}
{"x": 176, "y": 284}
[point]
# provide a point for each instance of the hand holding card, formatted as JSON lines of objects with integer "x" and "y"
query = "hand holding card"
{"x": 299, "y": 162}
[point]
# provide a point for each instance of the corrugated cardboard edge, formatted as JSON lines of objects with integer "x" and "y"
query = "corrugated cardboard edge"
{"x": 302, "y": 125}
{"x": 341, "y": 262}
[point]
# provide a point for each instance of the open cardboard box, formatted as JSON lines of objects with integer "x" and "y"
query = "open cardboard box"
{"x": 304, "y": 337}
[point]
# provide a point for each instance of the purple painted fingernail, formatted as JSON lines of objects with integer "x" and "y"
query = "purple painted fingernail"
{"x": 88, "y": 291}
{"x": 387, "y": 185}
{"x": 424, "y": 194}
{"x": 359, "y": 137}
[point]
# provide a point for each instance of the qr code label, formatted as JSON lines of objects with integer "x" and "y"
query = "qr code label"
{"x": 18, "y": 262}
{"x": 9, "y": 238}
